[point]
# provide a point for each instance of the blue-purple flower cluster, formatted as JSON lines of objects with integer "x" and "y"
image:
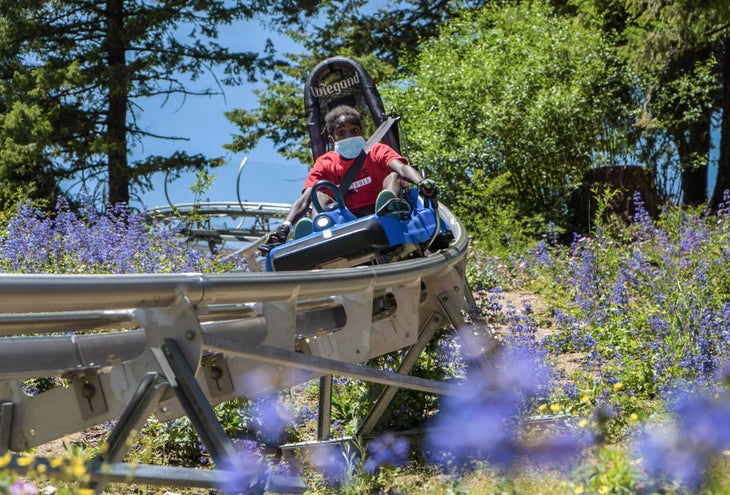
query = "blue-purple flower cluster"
{"x": 643, "y": 310}
{"x": 485, "y": 421}
{"x": 647, "y": 306}
{"x": 681, "y": 450}
{"x": 115, "y": 242}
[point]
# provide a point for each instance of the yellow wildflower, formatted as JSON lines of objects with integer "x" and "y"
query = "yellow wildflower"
{"x": 78, "y": 469}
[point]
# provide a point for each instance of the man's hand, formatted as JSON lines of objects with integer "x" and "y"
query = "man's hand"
{"x": 428, "y": 189}
{"x": 276, "y": 238}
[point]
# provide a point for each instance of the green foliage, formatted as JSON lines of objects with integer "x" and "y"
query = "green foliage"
{"x": 389, "y": 32}
{"x": 177, "y": 443}
{"x": 203, "y": 182}
{"x": 35, "y": 386}
{"x": 28, "y": 125}
{"x": 612, "y": 471}
{"x": 355, "y": 476}
{"x": 507, "y": 108}
{"x": 658, "y": 35}
{"x": 356, "y": 479}
{"x": 379, "y": 37}
{"x": 677, "y": 48}
{"x": 165, "y": 443}
{"x": 349, "y": 404}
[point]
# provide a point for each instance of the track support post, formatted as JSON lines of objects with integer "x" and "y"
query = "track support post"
{"x": 138, "y": 409}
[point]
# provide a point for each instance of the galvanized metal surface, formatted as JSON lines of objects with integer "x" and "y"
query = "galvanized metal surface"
{"x": 235, "y": 334}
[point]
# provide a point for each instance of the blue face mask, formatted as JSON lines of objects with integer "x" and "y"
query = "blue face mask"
{"x": 351, "y": 147}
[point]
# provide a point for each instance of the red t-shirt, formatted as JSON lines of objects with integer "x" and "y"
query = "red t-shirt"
{"x": 368, "y": 183}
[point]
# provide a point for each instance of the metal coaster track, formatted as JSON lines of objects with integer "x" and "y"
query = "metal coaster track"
{"x": 249, "y": 220}
{"x": 177, "y": 344}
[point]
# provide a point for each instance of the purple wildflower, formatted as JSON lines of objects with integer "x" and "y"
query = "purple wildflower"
{"x": 22, "y": 487}
{"x": 483, "y": 421}
{"x": 386, "y": 450}
{"x": 681, "y": 452}
{"x": 89, "y": 242}
{"x": 329, "y": 460}
{"x": 272, "y": 418}
{"x": 247, "y": 472}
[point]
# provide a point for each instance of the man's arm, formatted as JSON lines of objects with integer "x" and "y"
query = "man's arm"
{"x": 426, "y": 187}
{"x": 299, "y": 207}
{"x": 405, "y": 171}
{"x": 297, "y": 211}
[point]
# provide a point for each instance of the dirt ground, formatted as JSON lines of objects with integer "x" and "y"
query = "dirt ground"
{"x": 90, "y": 437}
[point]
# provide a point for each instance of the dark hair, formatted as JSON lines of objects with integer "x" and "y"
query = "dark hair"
{"x": 330, "y": 120}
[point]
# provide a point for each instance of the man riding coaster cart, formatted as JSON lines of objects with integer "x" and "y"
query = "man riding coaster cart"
{"x": 364, "y": 210}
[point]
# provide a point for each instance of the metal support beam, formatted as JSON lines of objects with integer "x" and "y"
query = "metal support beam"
{"x": 197, "y": 407}
{"x": 473, "y": 348}
{"x": 137, "y": 411}
{"x": 324, "y": 366}
{"x": 6, "y": 418}
{"x": 409, "y": 361}
{"x": 206, "y": 424}
{"x": 324, "y": 418}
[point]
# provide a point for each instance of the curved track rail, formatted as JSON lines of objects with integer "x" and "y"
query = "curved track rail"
{"x": 220, "y": 222}
{"x": 176, "y": 344}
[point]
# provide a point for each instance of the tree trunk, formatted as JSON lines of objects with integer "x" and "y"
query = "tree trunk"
{"x": 691, "y": 146}
{"x": 723, "y": 164}
{"x": 617, "y": 186}
{"x": 116, "y": 133}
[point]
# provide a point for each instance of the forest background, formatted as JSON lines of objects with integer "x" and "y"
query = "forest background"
{"x": 506, "y": 104}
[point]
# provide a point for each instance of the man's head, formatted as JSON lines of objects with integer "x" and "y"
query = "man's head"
{"x": 343, "y": 122}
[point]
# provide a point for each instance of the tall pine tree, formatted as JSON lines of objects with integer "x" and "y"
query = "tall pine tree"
{"x": 77, "y": 70}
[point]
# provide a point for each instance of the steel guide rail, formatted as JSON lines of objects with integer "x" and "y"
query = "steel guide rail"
{"x": 177, "y": 344}
{"x": 249, "y": 220}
